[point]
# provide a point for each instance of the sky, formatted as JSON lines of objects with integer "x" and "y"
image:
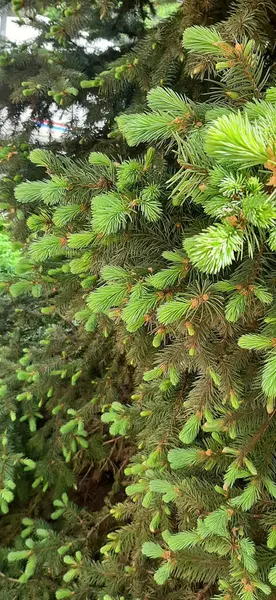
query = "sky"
{"x": 15, "y": 33}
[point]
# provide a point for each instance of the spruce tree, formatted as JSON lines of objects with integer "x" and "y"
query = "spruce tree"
{"x": 166, "y": 259}
{"x": 74, "y": 42}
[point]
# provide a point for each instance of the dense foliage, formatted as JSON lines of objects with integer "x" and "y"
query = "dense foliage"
{"x": 138, "y": 395}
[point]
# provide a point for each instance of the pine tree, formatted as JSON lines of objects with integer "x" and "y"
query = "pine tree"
{"x": 44, "y": 75}
{"x": 166, "y": 260}
{"x": 54, "y": 378}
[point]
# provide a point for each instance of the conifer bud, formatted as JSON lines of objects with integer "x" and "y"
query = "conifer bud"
{"x": 190, "y": 328}
{"x": 198, "y": 69}
{"x": 28, "y": 92}
{"x": 234, "y": 400}
{"x": 270, "y": 405}
{"x": 232, "y": 95}
{"x": 250, "y": 466}
{"x": 222, "y": 65}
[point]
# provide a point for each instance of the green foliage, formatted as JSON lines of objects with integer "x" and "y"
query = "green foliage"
{"x": 137, "y": 390}
{"x": 233, "y": 139}
{"x": 9, "y": 255}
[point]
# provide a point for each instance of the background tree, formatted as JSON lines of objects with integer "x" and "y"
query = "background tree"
{"x": 73, "y": 43}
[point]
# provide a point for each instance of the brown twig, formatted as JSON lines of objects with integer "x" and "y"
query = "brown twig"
{"x": 258, "y": 434}
{"x": 97, "y": 524}
{"x": 9, "y": 578}
{"x": 202, "y": 592}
